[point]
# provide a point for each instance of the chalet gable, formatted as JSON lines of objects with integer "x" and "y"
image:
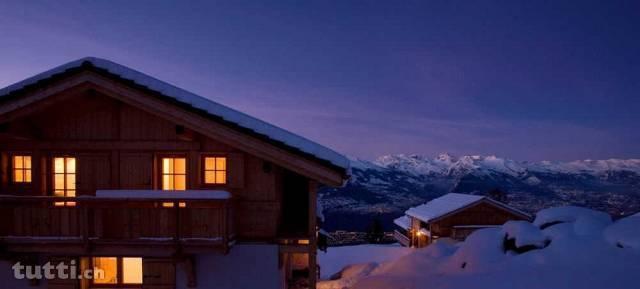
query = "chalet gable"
{"x": 158, "y": 98}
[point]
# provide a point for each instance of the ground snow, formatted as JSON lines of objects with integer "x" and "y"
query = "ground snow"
{"x": 582, "y": 252}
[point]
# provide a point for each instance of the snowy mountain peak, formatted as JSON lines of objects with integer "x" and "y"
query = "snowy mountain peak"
{"x": 448, "y": 164}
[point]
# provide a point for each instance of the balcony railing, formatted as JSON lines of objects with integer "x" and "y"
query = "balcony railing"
{"x": 402, "y": 238}
{"x": 116, "y": 225}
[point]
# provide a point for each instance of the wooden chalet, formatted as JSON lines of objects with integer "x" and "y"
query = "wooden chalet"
{"x": 453, "y": 216}
{"x": 157, "y": 187}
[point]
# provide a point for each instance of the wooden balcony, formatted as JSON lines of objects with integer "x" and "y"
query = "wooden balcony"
{"x": 115, "y": 226}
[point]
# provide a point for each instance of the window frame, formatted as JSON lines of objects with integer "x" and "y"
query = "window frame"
{"x": 160, "y": 169}
{"x": 203, "y": 170}
{"x": 119, "y": 273}
{"x": 12, "y": 168}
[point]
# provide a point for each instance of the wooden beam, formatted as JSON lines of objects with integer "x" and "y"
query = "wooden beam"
{"x": 313, "y": 242}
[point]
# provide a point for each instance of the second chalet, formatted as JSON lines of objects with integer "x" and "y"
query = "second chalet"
{"x": 108, "y": 168}
{"x": 453, "y": 216}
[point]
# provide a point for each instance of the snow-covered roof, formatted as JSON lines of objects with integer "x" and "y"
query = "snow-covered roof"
{"x": 442, "y": 206}
{"x": 403, "y": 222}
{"x": 451, "y": 202}
{"x": 196, "y": 101}
{"x": 158, "y": 194}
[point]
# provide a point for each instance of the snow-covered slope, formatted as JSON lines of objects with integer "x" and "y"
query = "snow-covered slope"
{"x": 389, "y": 185}
{"x": 580, "y": 250}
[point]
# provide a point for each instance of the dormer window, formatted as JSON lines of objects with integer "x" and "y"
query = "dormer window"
{"x": 21, "y": 166}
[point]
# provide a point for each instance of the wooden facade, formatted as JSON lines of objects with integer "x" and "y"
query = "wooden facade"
{"x": 118, "y": 135}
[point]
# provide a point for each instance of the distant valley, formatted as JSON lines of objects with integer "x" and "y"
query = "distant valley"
{"x": 386, "y": 187}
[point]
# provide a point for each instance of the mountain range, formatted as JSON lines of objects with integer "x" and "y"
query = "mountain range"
{"x": 386, "y": 187}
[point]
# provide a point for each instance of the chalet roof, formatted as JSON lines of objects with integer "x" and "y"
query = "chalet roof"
{"x": 403, "y": 222}
{"x": 273, "y": 133}
{"x": 452, "y": 202}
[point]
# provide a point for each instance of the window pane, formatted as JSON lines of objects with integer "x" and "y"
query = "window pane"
{"x": 167, "y": 182}
{"x": 209, "y": 164}
{"x": 221, "y": 177}
{"x": 209, "y": 178}
{"x": 27, "y": 162}
{"x": 18, "y": 176}
{"x": 18, "y": 162}
{"x": 71, "y": 193}
{"x": 27, "y": 176}
{"x": 180, "y": 183}
{"x": 221, "y": 164}
{"x": 180, "y": 166}
{"x": 58, "y": 193}
{"x": 132, "y": 270}
{"x": 58, "y": 165}
{"x": 167, "y": 166}
{"x": 71, "y": 182}
{"x": 58, "y": 182}
{"x": 71, "y": 165}
{"x": 70, "y": 204}
{"x": 105, "y": 270}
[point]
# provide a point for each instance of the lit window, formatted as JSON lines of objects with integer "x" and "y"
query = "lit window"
{"x": 64, "y": 179}
{"x": 132, "y": 270}
{"x": 174, "y": 174}
{"x": 21, "y": 169}
{"x": 105, "y": 270}
{"x": 117, "y": 270}
{"x": 215, "y": 170}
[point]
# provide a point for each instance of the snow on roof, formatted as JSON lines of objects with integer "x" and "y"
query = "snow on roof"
{"x": 403, "y": 222}
{"x": 196, "y": 101}
{"x": 441, "y": 206}
{"x": 158, "y": 194}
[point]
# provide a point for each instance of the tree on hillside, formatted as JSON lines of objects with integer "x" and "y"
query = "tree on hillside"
{"x": 375, "y": 233}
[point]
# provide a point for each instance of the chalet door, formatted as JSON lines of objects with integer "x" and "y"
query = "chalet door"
{"x": 136, "y": 171}
{"x": 158, "y": 274}
{"x": 94, "y": 173}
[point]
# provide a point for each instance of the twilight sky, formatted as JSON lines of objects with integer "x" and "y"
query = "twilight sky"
{"x": 518, "y": 79}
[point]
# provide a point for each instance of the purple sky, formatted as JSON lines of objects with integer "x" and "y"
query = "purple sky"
{"x": 529, "y": 81}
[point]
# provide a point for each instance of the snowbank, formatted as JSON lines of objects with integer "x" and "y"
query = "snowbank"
{"x": 337, "y": 258}
{"x": 524, "y": 234}
{"x": 624, "y": 233}
{"x": 582, "y": 249}
{"x": 585, "y": 221}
